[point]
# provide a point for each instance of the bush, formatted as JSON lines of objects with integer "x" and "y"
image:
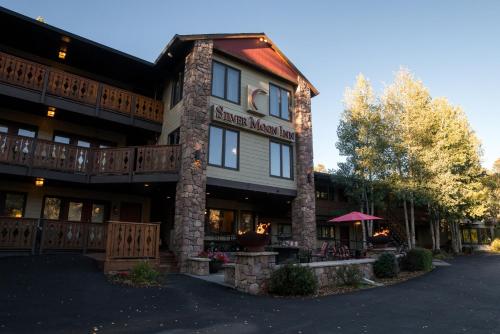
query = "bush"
{"x": 290, "y": 280}
{"x": 144, "y": 274}
{"x": 495, "y": 245}
{"x": 442, "y": 255}
{"x": 349, "y": 275}
{"x": 418, "y": 259}
{"x": 386, "y": 266}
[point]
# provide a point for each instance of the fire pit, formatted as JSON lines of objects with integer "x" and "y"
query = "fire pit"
{"x": 254, "y": 241}
{"x": 381, "y": 239}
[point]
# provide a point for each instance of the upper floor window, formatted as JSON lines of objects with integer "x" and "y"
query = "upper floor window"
{"x": 70, "y": 139}
{"x": 18, "y": 129}
{"x": 177, "y": 89}
{"x": 226, "y": 82}
{"x": 279, "y": 102}
{"x": 174, "y": 137}
{"x": 223, "y": 147}
{"x": 12, "y": 204}
{"x": 280, "y": 157}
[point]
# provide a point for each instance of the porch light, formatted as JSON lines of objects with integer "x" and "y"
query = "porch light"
{"x": 62, "y": 52}
{"x": 146, "y": 184}
{"x": 39, "y": 181}
{"x": 357, "y": 223}
{"x": 51, "y": 112}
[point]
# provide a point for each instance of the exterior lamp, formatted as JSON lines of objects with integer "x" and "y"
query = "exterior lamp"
{"x": 62, "y": 52}
{"x": 197, "y": 157}
{"x": 39, "y": 181}
{"x": 51, "y": 112}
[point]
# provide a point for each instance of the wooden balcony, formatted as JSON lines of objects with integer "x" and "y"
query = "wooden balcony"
{"x": 54, "y": 87}
{"x": 42, "y": 158}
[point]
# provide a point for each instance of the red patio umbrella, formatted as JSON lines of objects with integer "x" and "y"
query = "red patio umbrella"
{"x": 352, "y": 217}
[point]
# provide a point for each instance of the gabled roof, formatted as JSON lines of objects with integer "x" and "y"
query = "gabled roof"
{"x": 254, "y": 48}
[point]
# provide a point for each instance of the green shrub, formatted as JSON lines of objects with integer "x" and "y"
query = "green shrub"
{"x": 442, "y": 255}
{"x": 144, "y": 274}
{"x": 418, "y": 259}
{"x": 386, "y": 266}
{"x": 291, "y": 280}
{"x": 349, "y": 275}
{"x": 495, "y": 245}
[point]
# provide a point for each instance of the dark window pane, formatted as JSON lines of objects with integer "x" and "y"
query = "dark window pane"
{"x": 14, "y": 205}
{"x": 233, "y": 85}
{"x": 285, "y": 161}
{"x": 274, "y": 100}
{"x": 218, "y": 78}
{"x": 275, "y": 159}
{"x": 215, "y": 146}
{"x": 52, "y": 208}
{"x": 97, "y": 213}
{"x": 246, "y": 222}
{"x": 231, "y": 149}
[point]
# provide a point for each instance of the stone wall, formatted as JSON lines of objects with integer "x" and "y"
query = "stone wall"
{"x": 198, "y": 266}
{"x": 190, "y": 193}
{"x": 253, "y": 271}
{"x": 303, "y": 206}
{"x": 229, "y": 274}
{"x": 326, "y": 272}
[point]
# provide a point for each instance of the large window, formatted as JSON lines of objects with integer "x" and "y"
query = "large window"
{"x": 177, "y": 89}
{"x": 279, "y": 102}
{"x": 223, "y": 147}
{"x": 220, "y": 221}
{"x": 76, "y": 210}
{"x": 18, "y": 129}
{"x": 280, "y": 156}
{"x": 12, "y": 204}
{"x": 226, "y": 82}
{"x": 326, "y": 231}
{"x": 246, "y": 222}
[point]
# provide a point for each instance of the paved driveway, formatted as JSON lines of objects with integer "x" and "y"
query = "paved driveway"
{"x": 65, "y": 294}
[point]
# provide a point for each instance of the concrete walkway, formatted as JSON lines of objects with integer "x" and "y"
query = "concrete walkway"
{"x": 66, "y": 294}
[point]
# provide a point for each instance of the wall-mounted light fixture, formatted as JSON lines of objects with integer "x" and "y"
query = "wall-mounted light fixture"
{"x": 63, "y": 50}
{"x": 39, "y": 181}
{"x": 51, "y": 111}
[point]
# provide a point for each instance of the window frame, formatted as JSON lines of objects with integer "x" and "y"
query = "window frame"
{"x": 225, "y": 82}
{"x": 281, "y": 144}
{"x": 75, "y": 138}
{"x": 289, "y": 119}
{"x": 179, "y": 77}
{"x": 3, "y": 199}
{"x": 323, "y": 224}
{"x": 13, "y": 128}
{"x": 234, "y": 227}
{"x": 86, "y": 216}
{"x": 223, "y": 158}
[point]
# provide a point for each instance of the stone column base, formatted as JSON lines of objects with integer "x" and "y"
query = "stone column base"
{"x": 253, "y": 271}
{"x": 199, "y": 266}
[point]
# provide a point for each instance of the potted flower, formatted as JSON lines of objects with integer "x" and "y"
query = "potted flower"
{"x": 255, "y": 241}
{"x": 217, "y": 259}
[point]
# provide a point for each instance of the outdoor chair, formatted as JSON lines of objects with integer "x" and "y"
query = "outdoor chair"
{"x": 322, "y": 253}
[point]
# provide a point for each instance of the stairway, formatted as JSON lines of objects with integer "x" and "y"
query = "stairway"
{"x": 168, "y": 262}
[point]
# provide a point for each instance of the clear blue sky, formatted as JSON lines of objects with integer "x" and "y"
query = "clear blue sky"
{"x": 453, "y": 46}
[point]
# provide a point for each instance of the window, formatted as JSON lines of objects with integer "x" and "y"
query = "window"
{"x": 220, "y": 221}
{"x": 52, "y": 208}
{"x": 62, "y": 139}
{"x": 226, "y": 82}
{"x": 18, "y": 129}
{"x": 223, "y": 146}
{"x": 26, "y": 133}
{"x": 280, "y": 160}
{"x": 246, "y": 222}
{"x": 279, "y": 102}
{"x": 75, "y": 211}
{"x": 12, "y": 204}
{"x": 284, "y": 231}
{"x": 97, "y": 213}
{"x": 177, "y": 89}
{"x": 174, "y": 137}
{"x": 326, "y": 231}
{"x": 321, "y": 192}
{"x": 80, "y": 141}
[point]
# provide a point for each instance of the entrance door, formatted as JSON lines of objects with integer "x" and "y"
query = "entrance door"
{"x": 131, "y": 212}
{"x": 344, "y": 235}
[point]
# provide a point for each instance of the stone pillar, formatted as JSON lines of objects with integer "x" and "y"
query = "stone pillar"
{"x": 190, "y": 193}
{"x": 304, "y": 205}
{"x": 253, "y": 271}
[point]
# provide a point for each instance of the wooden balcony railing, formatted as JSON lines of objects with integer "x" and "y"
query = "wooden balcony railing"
{"x": 18, "y": 233}
{"x": 67, "y": 235}
{"x": 20, "y": 72}
{"x": 45, "y": 154}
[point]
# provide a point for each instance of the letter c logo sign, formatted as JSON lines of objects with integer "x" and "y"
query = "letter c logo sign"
{"x": 254, "y": 95}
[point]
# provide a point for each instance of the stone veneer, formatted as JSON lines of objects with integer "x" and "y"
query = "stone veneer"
{"x": 253, "y": 271}
{"x": 199, "y": 266}
{"x": 190, "y": 193}
{"x": 304, "y": 205}
{"x": 326, "y": 272}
